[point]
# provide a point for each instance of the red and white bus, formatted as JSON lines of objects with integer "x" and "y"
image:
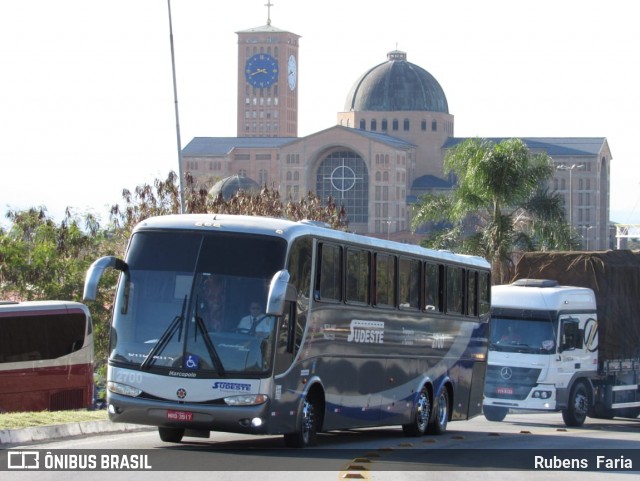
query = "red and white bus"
{"x": 46, "y": 356}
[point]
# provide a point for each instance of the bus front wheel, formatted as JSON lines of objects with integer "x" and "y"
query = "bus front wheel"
{"x": 307, "y": 426}
{"x": 170, "y": 435}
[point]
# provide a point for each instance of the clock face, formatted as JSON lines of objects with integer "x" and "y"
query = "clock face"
{"x": 292, "y": 72}
{"x": 261, "y": 70}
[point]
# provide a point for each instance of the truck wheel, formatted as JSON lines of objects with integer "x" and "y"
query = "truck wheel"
{"x": 418, "y": 426}
{"x": 306, "y": 432}
{"x": 495, "y": 413}
{"x": 171, "y": 435}
{"x": 440, "y": 418}
{"x": 576, "y": 411}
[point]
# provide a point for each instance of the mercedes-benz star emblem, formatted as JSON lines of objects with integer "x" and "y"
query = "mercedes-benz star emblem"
{"x": 506, "y": 373}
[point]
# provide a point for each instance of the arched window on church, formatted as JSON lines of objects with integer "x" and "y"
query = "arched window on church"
{"x": 363, "y": 124}
{"x": 385, "y": 177}
{"x": 344, "y": 176}
{"x": 423, "y": 125}
{"x": 384, "y": 125}
{"x": 406, "y": 126}
{"x": 434, "y": 126}
{"x": 296, "y": 175}
{"x": 289, "y": 176}
{"x": 374, "y": 125}
{"x": 395, "y": 125}
{"x": 378, "y": 176}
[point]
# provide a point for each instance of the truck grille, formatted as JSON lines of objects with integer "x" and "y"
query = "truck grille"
{"x": 505, "y": 382}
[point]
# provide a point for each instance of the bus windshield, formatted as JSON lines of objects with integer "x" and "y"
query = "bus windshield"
{"x": 193, "y": 304}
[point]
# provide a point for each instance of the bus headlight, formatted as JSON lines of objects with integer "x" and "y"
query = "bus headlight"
{"x": 246, "y": 400}
{"x": 123, "y": 389}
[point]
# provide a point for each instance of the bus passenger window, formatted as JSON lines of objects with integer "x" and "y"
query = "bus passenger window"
{"x": 472, "y": 297}
{"x": 432, "y": 282}
{"x": 409, "y": 284}
{"x": 358, "y": 276}
{"x": 484, "y": 293}
{"x": 454, "y": 290}
{"x": 385, "y": 280}
{"x": 329, "y": 285}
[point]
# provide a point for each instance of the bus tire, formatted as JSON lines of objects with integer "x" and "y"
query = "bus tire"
{"x": 171, "y": 435}
{"x": 418, "y": 426}
{"x": 440, "y": 415}
{"x": 306, "y": 433}
{"x": 495, "y": 413}
{"x": 576, "y": 412}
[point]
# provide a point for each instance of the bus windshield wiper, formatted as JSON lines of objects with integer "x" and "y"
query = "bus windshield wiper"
{"x": 175, "y": 325}
{"x": 213, "y": 354}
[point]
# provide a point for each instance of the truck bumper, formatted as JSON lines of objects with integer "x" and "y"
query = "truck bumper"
{"x": 540, "y": 398}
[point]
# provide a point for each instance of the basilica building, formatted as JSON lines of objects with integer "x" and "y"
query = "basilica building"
{"x": 384, "y": 151}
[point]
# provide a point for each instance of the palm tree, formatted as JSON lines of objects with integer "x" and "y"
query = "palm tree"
{"x": 500, "y": 203}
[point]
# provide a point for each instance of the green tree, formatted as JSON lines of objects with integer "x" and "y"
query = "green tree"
{"x": 500, "y": 203}
{"x": 42, "y": 260}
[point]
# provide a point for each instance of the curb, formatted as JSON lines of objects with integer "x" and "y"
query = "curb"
{"x": 14, "y": 437}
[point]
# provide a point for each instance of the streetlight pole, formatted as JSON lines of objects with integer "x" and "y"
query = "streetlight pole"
{"x": 570, "y": 169}
{"x": 175, "y": 101}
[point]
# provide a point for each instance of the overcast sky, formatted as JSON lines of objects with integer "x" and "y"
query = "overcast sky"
{"x": 86, "y": 93}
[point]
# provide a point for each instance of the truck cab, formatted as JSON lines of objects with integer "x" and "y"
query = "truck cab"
{"x": 542, "y": 350}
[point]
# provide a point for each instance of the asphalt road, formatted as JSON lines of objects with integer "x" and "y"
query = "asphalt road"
{"x": 475, "y": 449}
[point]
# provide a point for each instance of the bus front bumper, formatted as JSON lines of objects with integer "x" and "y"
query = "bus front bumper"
{"x": 194, "y": 416}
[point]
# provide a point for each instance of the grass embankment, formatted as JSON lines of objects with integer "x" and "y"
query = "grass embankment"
{"x": 45, "y": 418}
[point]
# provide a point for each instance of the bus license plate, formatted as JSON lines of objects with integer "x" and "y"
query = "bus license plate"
{"x": 180, "y": 415}
{"x": 504, "y": 390}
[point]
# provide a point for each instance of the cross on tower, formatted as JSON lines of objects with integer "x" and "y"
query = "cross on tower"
{"x": 268, "y": 5}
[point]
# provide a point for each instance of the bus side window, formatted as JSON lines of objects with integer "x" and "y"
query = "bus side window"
{"x": 329, "y": 282}
{"x": 432, "y": 282}
{"x": 358, "y": 275}
{"x": 484, "y": 293}
{"x": 385, "y": 280}
{"x": 472, "y": 293}
{"x": 455, "y": 294}
{"x": 409, "y": 283}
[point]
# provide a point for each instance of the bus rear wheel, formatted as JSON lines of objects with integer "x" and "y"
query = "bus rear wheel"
{"x": 170, "y": 435}
{"x": 306, "y": 433}
{"x": 440, "y": 418}
{"x": 418, "y": 426}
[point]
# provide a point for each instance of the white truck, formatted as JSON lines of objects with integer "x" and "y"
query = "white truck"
{"x": 571, "y": 349}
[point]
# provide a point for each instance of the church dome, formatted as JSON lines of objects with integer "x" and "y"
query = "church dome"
{"x": 396, "y": 85}
{"x": 229, "y": 186}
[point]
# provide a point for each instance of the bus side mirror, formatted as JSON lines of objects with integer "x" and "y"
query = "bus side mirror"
{"x": 280, "y": 291}
{"x": 95, "y": 273}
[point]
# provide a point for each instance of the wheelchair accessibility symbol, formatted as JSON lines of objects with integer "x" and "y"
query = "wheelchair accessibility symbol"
{"x": 192, "y": 361}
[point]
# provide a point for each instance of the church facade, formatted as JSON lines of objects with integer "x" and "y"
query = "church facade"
{"x": 385, "y": 150}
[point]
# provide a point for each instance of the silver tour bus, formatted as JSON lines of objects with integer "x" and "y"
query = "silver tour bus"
{"x": 267, "y": 326}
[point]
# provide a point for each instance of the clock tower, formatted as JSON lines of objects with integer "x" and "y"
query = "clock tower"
{"x": 267, "y": 81}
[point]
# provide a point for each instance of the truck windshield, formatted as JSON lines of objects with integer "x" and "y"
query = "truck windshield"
{"x": 534, "y": 336}
{"x": 194, "y": 304}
